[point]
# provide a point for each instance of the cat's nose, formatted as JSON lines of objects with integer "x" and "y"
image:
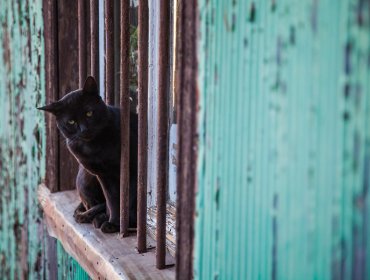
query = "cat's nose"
{"x": 83, "y": 128}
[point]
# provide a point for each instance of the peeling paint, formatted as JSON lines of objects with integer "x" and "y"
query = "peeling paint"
{"x": 21, "y": 171}
{"x": 23, "y": 247}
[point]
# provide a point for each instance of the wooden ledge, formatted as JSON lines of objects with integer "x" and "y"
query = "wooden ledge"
{"x": 102, "y": 256}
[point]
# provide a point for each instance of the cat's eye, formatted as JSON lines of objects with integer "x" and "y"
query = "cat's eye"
{"x": 89, "y": 113}
{"x": 71, "y": 122}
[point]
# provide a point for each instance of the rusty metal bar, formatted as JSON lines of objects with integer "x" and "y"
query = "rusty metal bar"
{"x": 50, "y": 15}
{"x": 68, "y": 72}
{"x": 109, "y": 52}
{"x": 164, "y": 32}
{"x": 187, "y": 103}
{"x": 125, "y": 116}
{"x": 94, "y": 35}
{"x": 88, "y": 38}
{"x": 117, "y": 57}
{"x": 143, "y": 125}
{"x": 82, "y": 42}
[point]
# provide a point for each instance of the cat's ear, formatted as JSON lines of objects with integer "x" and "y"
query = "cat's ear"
{"x": 53, "y": 108}
{"x": 90, "y": 86}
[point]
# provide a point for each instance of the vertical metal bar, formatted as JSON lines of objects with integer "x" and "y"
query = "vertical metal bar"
{"x": 68, "y": 75}
{"x": 94, "y": 34}
{"x": 109, "y": 52}
{"x": 82, "y": 42}
{"x": 125, "y": 116}
{"x": 187, "y": 103}
{"x": 143, "y": 125}
{"x": 52, "y": 85}
{"x": 117, "y": 57}
{"x": 101, "y": 34}
{"x": 164, "y": 32}
{"x": 88, "y": 37}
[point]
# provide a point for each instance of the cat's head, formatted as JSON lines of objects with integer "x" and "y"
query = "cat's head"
{"x": 81, "y": 114}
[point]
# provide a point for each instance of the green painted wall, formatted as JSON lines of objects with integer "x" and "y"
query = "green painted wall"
{"x": 21, "y": 139}
{"x": 25, "y": 250}
{"x": 68, "y": 267}
{"x": 284, "y": 140}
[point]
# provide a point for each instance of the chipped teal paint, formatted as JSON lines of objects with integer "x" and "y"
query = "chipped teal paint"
{"x": 22, "y": 144}
{"x": 68, "y": 267}
{"x": 284, "y": 147}
{"x": 21, "y": 139}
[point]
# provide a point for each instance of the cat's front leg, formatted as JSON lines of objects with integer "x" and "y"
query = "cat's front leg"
{"x": 100, "y": 219}
{"x": 111, "y": 190}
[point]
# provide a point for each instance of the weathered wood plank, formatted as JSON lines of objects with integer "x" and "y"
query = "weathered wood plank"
{"x": 51, "y": 89}
{"x": 101, "y": 255}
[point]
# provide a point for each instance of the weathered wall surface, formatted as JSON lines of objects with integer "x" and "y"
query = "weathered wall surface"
{"x": 25, "y": 250}
{"x": 21, "y": 139}
{"x": 284, "y": 158}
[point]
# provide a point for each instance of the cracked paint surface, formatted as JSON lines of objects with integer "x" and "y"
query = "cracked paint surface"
{"x": 23, "y": 238}
{"x": 21, "y": 139}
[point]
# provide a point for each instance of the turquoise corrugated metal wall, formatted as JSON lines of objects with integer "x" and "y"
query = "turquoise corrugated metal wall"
{"x": 68, "y": 267}
{"x": 284, "y": 148}
{"x": 23, "y": 245}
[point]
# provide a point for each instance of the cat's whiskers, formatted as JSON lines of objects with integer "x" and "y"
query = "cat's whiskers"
{"x": 70, "y": 140}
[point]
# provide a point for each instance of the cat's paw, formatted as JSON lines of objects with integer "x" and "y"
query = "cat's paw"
{"x": 79, "y": 210}
{"x": 108, "y": 227}
{"x": 99, "y": 220}
{"x": 82, "y": 218}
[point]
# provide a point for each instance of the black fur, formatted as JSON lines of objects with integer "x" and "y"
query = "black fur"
{"x": 92, "y": 130}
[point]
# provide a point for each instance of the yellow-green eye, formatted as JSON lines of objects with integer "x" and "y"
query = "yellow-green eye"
{"x": 89, "y": 114}
{"x": 71, "y": 122}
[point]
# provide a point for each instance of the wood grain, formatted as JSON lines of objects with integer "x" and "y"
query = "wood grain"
{"x": 101, "y": 255}
{"x": 51, "y": 91}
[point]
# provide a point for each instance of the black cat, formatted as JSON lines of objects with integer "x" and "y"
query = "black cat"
{"x": 92, "y": 130}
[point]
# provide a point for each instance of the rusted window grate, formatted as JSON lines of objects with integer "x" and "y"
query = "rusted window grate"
{"x": 91, "y": 17}
{"x": 61, "y": 37}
